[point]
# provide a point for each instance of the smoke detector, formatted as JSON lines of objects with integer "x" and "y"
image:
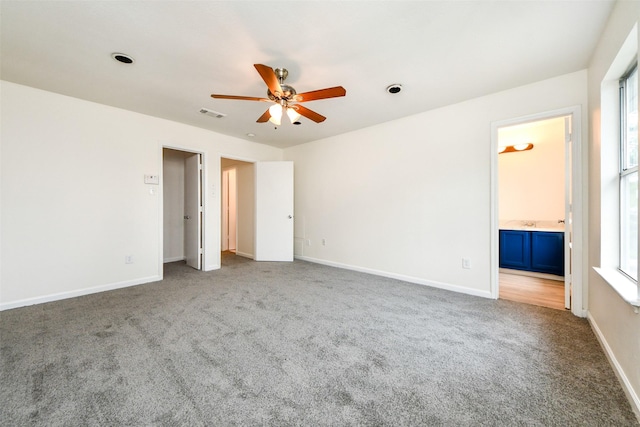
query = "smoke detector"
{"x": 212, "y": 113}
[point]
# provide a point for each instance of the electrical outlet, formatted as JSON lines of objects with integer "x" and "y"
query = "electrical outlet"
{"x": 466, "y": 263}
{"x": 308, "y": 242}
{"x": 128, "y": 259}
{"x": 324, "y": 242}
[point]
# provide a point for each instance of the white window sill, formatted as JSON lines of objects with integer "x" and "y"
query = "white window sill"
{"x": 627, "y": 289}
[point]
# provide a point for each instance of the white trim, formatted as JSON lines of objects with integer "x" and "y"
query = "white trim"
{"x": 633, "y": 397}
{"x": 219, "y": 200}
{"x": 244, "y": 255}
{"x": 578, "y": 306}
{"x": 173, "y": 259}
{"x": 402, "y": 277}
{"x": 238, "y": 158}
{"x": 204, "y": 205}
{"x": 78, "y": 293}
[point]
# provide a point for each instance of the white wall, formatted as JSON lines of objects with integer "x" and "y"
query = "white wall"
{"x": 74, "y": 202}
{"x": 618, "y": 327}
{"x": 173, "y": 205}
{"x": 531, "y": 183}
{"x": 410, "y": 198}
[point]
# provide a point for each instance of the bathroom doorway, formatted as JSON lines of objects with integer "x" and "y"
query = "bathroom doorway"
{"x": 531, "y": 201}
{"x": 535, "y": 169}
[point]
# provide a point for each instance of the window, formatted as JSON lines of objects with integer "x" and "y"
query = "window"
{"x": 629, "y": 173}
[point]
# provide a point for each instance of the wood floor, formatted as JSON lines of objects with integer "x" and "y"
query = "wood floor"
{"x": 532, "y": 290}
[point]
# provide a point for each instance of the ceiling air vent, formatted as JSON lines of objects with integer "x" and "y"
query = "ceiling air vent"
{"x": 212, "y": 113}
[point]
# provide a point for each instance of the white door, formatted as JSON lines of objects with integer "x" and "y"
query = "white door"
{"x": 193, "y": 210}
{"x": 274, "y": 211}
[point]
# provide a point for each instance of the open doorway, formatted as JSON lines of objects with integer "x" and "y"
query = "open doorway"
{"x": 237, "y": 208}
{"x": 182, "y": 207}
{"x": 229, "y": 210}
{"x": 536, "y": 245}
{"x": 531, "y": 209}
{"x": 263, "y": 209}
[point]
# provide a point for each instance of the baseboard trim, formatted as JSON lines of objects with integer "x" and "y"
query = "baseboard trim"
{"x": 404, "y": 278}
{"x": 173, "y": 259}
{"x": 631, "y": 394}
{"x": 244, "y": 255}
{"x": 532, "y": 274}
{"x": 81, "y": 292}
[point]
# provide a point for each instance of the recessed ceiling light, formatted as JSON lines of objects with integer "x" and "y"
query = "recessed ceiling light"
{"x": 394, "y": 88}
{"x": 122, "y": 57}
{"x": 251, "y": 135}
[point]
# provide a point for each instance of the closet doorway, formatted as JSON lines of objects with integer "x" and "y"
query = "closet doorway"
{"x": 183, "y": 210}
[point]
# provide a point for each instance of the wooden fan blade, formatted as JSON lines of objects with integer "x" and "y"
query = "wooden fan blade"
{"x": 264, "y": 118}
{"x": 269, "y": 77}
{"x": 309, "y": 114}
{"x": 241, "y": 98}
{"x": 332, "y": 92}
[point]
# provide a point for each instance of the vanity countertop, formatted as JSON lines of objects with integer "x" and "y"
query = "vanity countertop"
{"x": 527, "y": 225}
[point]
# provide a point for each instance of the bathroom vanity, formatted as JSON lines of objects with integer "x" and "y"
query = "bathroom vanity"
{"x": 530, "y": 248}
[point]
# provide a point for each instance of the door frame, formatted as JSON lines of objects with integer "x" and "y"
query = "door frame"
{"x": 231, "y": 201}
{"x": 578, "y": 303}
{"x": 203, "y": 195}
{"x": 220, "y": 201}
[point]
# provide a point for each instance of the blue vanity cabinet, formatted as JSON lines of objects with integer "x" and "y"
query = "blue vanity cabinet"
{"x": 515, "y": 249}
{"x": 539, "y": 251}
{"x": 547, "y": 252}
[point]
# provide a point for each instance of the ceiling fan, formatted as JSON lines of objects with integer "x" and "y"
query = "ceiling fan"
{"x": 285, "y": 97}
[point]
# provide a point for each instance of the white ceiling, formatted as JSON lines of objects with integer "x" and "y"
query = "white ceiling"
{"x": 442, "y": 52}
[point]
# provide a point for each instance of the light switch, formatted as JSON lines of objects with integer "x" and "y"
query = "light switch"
{"x": 152, "y": 179}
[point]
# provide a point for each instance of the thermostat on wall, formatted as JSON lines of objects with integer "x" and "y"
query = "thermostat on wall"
{"x": 151, "y": 179}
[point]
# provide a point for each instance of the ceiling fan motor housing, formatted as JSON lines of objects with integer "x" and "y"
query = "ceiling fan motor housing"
{"x": 288, "y": 93}
{"x": 281, "y": 74}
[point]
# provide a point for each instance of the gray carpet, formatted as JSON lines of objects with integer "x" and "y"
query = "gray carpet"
{"x": 300, "y": 344}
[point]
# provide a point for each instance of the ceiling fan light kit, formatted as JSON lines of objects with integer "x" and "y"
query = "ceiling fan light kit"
{"x": 285, "y": 97}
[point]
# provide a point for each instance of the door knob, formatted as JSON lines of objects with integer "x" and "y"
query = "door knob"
{"x": 187, "y": 217}
{"x": 290, "y": 217}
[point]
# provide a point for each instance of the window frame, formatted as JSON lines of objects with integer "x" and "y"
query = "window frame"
{"x": 625, "y": 172}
